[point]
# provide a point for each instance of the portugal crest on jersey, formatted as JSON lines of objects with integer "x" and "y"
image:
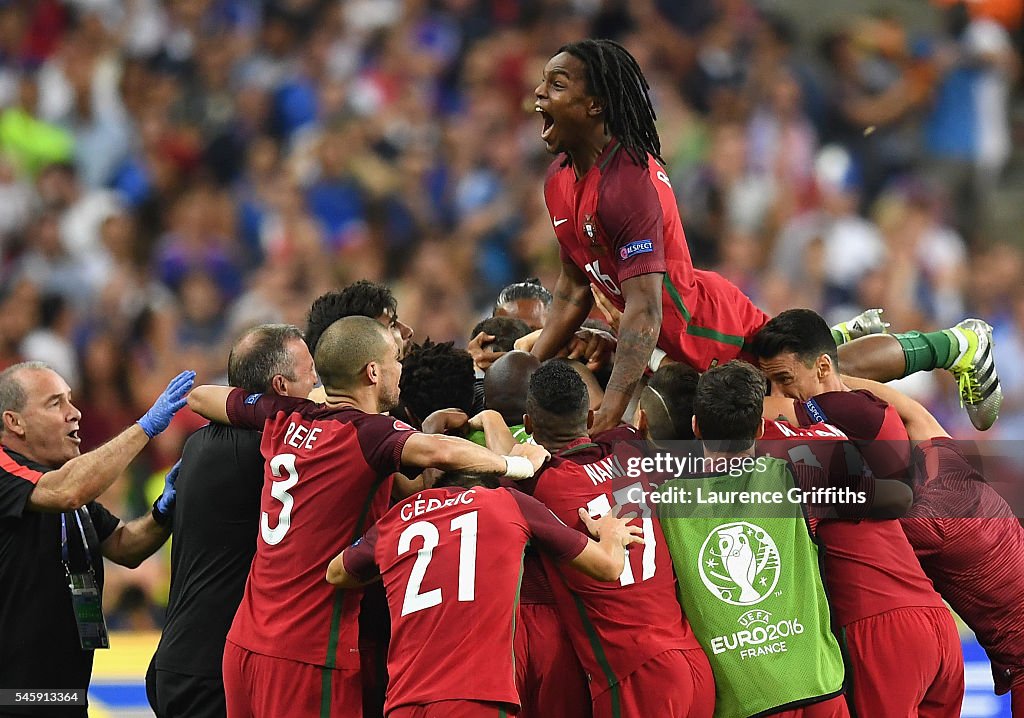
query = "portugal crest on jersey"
{"x": 588, "y": 227}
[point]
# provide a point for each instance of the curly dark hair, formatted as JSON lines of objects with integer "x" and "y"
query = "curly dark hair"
{"x": 362, "y": 298}
{"x": 435, "y": 376}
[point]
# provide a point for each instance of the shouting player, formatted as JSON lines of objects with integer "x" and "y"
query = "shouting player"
{"x": 292, "y": 648}
{"x": 448, "y": 559}
{"x": 618, "y": 228}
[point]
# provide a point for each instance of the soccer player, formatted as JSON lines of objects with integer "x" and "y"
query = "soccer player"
{"x": 965, "y": 536}
{"x": 448, "y": 559}
{"x": 365, "y": 299}
{"x": 752, "y": 588}
{"x": 292, "y": 648}
{"x": 632, "y": 638}
{"x": 618, "y": 228}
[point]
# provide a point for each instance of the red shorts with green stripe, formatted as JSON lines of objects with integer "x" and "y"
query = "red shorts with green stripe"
{"x": 709, "y": 326}
{"x": 259, "y": 686}
{"x": 673, "y": 684}
{"x": 453, "y": 709}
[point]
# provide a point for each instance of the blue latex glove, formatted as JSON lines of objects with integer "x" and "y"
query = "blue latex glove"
{"x": 164, "y": 506}
{"x": 167, "y": 404}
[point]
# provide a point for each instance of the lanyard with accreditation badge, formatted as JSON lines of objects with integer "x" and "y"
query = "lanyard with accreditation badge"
{"x": 85, "y": 590}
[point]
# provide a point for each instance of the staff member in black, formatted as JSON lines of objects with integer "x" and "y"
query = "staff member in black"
{"x": 54, "y": 535}
{"x": 216, "y": 522}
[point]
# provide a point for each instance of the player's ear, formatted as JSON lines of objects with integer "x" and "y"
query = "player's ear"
{"x": 528, "y": 424}
{"x": 824, "y": 366}
{"x": 279, "y": 385}
{"x": 696, "y": 427}
{"x": 760, "y": 429}
{"x": 590, "y": 418}
{"x": 596, "y": 107}
{"x": 373, "y": 372}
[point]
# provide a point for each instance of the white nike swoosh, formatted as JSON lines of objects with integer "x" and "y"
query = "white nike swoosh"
{"x": 560, "y": 221}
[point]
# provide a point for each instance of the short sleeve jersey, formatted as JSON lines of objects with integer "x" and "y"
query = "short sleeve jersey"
{"x": 327, "y": 478}
{"x": 40, "y": 645}
{"x": 451, "y": 564}
{"x": 614, "y": 627}
{"x": 870, "y": 566}
{"x": 621, "y": 220}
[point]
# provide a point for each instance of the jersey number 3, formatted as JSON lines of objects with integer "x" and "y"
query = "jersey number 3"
{"x": 279, "y": 490}
{"x": 466, "y": 526}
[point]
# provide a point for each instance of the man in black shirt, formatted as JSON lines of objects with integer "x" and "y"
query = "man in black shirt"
{"x": 216, "y": 521}
{"x": 54, "y": 535}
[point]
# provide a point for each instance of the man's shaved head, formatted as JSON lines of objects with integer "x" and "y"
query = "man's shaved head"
{"x": 507, "y": 383}
{"x": 346, "y": 347}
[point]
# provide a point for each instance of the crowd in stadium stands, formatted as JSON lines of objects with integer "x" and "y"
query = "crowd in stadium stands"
{"x": 172, "y": 173}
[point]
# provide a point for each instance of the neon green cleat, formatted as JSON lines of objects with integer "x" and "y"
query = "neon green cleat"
{"x": 975, "y": 372}
{"x": 867, "y": 322}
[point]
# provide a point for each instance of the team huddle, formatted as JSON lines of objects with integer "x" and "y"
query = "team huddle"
{"x": 526, "y": 572}
{"x": 688, "y": 509}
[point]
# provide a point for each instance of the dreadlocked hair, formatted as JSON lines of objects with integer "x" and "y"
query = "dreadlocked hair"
{"x": 614, "y": 75}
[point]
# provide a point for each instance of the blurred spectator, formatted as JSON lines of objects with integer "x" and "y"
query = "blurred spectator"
{"x": 968, "y": 133}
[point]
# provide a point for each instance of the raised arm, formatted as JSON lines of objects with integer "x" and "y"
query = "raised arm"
{"x": 85, "y": 477}
{"x": 571, "y": 304}
{"x": 210, "y": 402}
{"x": 638, "y": 336}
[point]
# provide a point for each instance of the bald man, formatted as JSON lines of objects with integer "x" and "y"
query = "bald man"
{"x": 216, "y": 523}
{"x": 292, "y": 648}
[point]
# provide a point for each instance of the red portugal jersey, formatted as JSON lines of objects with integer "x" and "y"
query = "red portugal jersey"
{"x": 451, "y": 560}
{"x": 972, "y": 546}
{"x": 870, "y": 566}
{"x": 621, "y": 220}
{"x": 614, "y": 627}
{"x": 327, "y": 478}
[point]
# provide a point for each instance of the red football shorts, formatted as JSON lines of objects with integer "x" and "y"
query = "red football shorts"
{"x": 1017, "y": 697}
{"x": 723, "y": 320}
{"x": 258, "y": 686}
{"x": 453, "y": 709}
{"x": 907, "y": 663}
{"x": 673, "y": 684}
{"x": 832, "y": 708}
{"x": 549, "y": 677}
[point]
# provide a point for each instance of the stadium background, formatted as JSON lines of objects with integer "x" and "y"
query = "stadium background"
{"x": 173, "y": 171}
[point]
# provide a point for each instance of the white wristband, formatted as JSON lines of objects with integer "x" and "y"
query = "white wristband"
{"x": 656, "y": 356}
{"x": 518, "y": 467}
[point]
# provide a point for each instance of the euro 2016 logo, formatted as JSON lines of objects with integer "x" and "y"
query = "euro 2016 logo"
{"x": 739, "y": 563}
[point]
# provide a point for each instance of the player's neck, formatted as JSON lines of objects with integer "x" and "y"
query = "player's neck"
{"x": 554, "y": 444}
{"x": 353, "y": 401}
{"x": 590, "y": 148}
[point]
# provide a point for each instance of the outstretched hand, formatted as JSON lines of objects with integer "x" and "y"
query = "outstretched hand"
{"x": 159, "y": 416}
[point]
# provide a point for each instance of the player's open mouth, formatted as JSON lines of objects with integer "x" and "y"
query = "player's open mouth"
{"x": 73, "y": 435}
{"x": 549, "y": 122}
